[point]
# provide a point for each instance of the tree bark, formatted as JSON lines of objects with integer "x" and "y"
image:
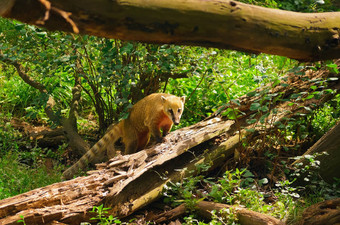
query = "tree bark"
{"x": 204, "y": 208}
{"x": 326, "y": 212}
{"x": 69, "y": 124}
{"x": 244, "y": 216}
{"x": 115, "y": 183}
{"x": 224, "y": 24}
{"x": 329, "y": 162}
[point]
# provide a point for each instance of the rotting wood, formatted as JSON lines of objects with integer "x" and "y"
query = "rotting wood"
{"x": 213, "y": 23}
{"x": 204, "y": 208}
{"x": 71, "y": 201}
{"x": 322, "y": 213}
{"x": 244, "y": 216}
{"x": 146, "y": 171}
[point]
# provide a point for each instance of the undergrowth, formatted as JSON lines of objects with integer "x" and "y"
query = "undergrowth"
{"x": 213, "y": 79}
{"x": 17, "y": 178}
{"x": 242, "y": 188}
{"x": 22, "y": 170}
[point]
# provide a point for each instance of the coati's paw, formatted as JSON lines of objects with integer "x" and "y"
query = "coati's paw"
{"x": 161, "y": 140}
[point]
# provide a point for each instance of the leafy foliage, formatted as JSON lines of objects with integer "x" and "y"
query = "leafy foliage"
{"x": 102, "y": 217}
{"x": 115, "y": 74}
{"x": 235, "y": 188}
{"x": 297, "y": 5}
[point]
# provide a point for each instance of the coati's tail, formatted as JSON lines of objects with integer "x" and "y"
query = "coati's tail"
{"x": 110, "y": 137}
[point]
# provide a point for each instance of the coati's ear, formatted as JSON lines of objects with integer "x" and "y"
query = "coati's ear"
{"x": 183, "y": 99}
{"x": 163, "y": 98}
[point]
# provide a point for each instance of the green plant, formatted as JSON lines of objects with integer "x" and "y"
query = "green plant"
{"x": 183, "y": 192}
{"x": 8, "y": 135}
{"x": 226, "y": 216}
{"x": 17, "y": 178}
{"x": 314, "y": 184}
{"x": 235, "y": 188}
{"x": 22, "y": 220}
{"x": 102, "y": 216}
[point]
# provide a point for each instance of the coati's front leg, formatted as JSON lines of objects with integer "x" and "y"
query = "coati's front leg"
{"x": 166, "y": 129}
{"x": 156, "y": 133}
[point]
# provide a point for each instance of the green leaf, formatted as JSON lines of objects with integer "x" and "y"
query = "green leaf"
{"x": 251, "y": 121}
{"x": 295, "y": 95}
{"x": 251, "y": 94}
{"x": 255, "y": 106}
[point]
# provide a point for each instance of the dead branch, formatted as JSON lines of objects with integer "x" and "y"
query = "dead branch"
{"x": 205, "y": 208}
{"x": 169, "y": 215}
{"x": 127, "y": 183}
{"x": 328, "y": 143}
{"x": 244, "y": 216}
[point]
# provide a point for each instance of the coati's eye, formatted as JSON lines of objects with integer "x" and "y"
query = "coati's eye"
{"x": 170, "y": 111}
{"x": 179, "y": 110}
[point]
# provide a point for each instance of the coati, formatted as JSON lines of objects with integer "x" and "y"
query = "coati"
{"x": 149, "y": 116}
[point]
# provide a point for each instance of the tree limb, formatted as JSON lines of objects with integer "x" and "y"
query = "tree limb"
{"x": 69, "y": 124}
{"x": 114, "y": 183}
{"x": 224, "y": 24}
{"x": 244, "y": 216}
{"x": 205, "y": 208}
{"x": 326, "y": 212}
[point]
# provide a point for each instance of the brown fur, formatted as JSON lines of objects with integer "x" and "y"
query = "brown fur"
{"x": 153, "y": 115}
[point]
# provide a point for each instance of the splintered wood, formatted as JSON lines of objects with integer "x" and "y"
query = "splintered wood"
{"x": 127, "y": 183}
{"x": 70, "y": 202}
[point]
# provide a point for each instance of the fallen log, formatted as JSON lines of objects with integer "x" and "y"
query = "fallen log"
{"x": 326, "y": 212}
{"x": 205, "y": 208}
{"x": 127, "y": 183}
{"x": 328, "y": 143}
{"x": 244, "y": 216}
{"x": 71, "y": 201}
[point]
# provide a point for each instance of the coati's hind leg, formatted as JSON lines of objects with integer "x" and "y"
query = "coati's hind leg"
{"x": 130, "y": 146}
{"x": 136, "y": 144}
{"x": 113, "y": 149}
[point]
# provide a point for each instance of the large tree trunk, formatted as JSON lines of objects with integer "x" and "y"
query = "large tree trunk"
{"x": 214, "y": 23}
{"x": 127, "y": 183}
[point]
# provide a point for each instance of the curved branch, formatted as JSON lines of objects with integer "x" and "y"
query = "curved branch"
{"x": 224, "y": 24}
{"x": 35, "y": 84}
{"x": 69, "y": 124}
